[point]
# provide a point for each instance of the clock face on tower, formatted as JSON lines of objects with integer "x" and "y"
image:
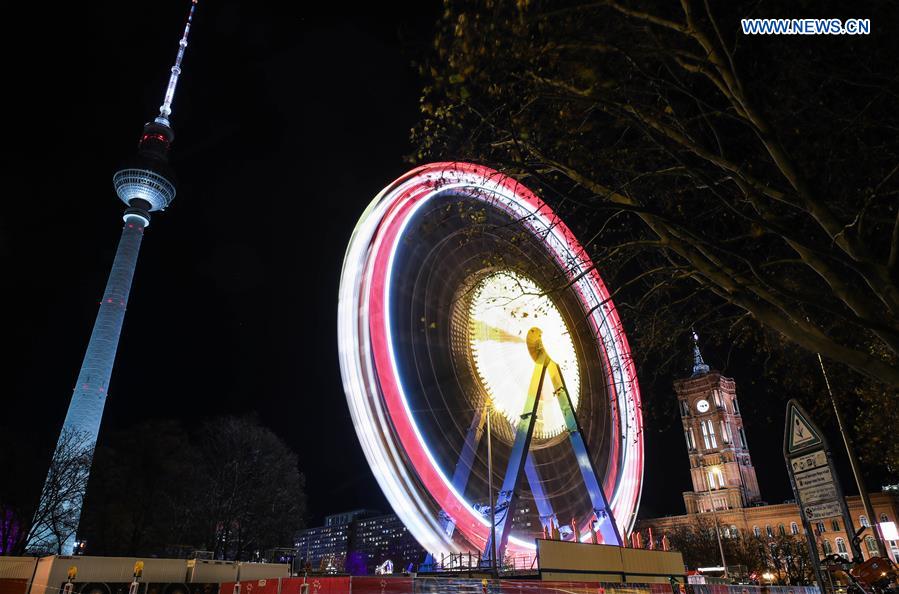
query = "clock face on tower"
{"x": 702, "y": 405}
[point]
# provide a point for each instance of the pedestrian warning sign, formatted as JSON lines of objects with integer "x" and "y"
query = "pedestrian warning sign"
{"x": 812, "y": 476}
{"x": 801, "y": 432}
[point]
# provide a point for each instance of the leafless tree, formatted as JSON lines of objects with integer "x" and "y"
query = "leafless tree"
{"x": 786, "y": 555}
{"x": 58, "y": 510}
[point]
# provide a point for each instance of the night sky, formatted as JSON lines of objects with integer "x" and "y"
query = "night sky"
{"x": 287, "y": 124}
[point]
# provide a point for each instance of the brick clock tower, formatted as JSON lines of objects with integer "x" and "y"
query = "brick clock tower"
{"x": 720, "y": 466}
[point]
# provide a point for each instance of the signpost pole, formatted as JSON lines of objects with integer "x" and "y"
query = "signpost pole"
{"x": 856, "y": 473}
{"x": 811, "y": 543}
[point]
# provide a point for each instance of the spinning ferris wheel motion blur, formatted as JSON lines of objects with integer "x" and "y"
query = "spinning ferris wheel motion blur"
{"x": 466, "y": 303}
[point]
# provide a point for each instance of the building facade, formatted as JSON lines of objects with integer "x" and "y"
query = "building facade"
{"x": 357, "y": 542}
{"x": 725, "y": 488}
{"x": 385, "y": 538}
{"x": 325, "y": 548}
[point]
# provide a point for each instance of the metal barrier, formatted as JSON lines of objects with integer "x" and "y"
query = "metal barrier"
{"x": 740, "y": 589}
{"x": 472, "y": 561}
{"x": 446, "y": 584}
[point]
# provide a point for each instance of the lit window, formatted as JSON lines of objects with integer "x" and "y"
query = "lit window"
{"x": 757, "y": 531}
{"x": 794, "y": 528}
{"x": 724, "y": 436}
{"x": 717, "y": 396}
{"x": 825, "y": 546}
{"x": 705, "y": 435}
{"x": 712, "y": 433}
{"x": 841, "y": 548}
{"x": 871, "y": 545}
{"x": 689, "y": 435}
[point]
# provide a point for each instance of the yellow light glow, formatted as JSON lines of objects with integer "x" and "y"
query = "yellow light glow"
{"x": 503, "y": 307}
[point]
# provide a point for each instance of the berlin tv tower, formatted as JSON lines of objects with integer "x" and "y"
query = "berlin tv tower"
{"x": 145, "y": 185}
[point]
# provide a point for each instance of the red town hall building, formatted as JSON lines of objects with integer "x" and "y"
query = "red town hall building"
{"x": 725, "y": 488}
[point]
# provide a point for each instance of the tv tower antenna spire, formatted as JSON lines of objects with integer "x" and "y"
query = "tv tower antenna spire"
{"x": 165, "y": 110}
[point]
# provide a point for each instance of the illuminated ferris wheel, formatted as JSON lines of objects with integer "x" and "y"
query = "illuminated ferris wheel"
{"x": 476, "y": 335}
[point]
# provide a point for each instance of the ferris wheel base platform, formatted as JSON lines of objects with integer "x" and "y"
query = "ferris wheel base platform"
{"x": 566, "y": 561}
{"x": 585, "y": 562}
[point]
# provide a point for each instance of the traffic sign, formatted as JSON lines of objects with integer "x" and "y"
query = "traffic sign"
{"x": 801, "y": 431}
{"x": 813, "y": 479}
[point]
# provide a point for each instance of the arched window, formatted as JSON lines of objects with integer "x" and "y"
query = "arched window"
{"x": 884, "y": 518}
{"x": 705, "y": 435}
{"x": 781, "y": 530}
{"x": 724, "y": 435}
{"x": 769, "y": 532}
{"x": 863, "y": 522}
{"x": 756, "y": 531}
{"x": 835, "y": 524}
{"x": 708, "y": 434}
{"x": 841, "y": 548}
{"x": 819, "y": 527}
{"x": 825, "y": 546}
{"x": 794, "y": 528}
{"x": 871, "y": 545}
{"x": 717, "y": 396}
{"x": 734, "y": 532}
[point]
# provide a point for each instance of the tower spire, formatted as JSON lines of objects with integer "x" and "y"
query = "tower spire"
{"x": 165, "y": 109}
{"x": 699, "y": 366}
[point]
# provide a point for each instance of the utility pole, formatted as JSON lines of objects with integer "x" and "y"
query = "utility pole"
{"x": 856, "y": 472}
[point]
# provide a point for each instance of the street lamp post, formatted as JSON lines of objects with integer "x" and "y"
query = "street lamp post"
{"x": 715, "y": 517}
{"x": 489, "y": 408}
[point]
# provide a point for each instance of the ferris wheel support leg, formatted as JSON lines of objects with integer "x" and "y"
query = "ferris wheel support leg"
{"x": 505, "y": 501}
{"x": 604, "y": 517}
{"x": 544, "y": 507}
{"x": 466, "y": 460}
